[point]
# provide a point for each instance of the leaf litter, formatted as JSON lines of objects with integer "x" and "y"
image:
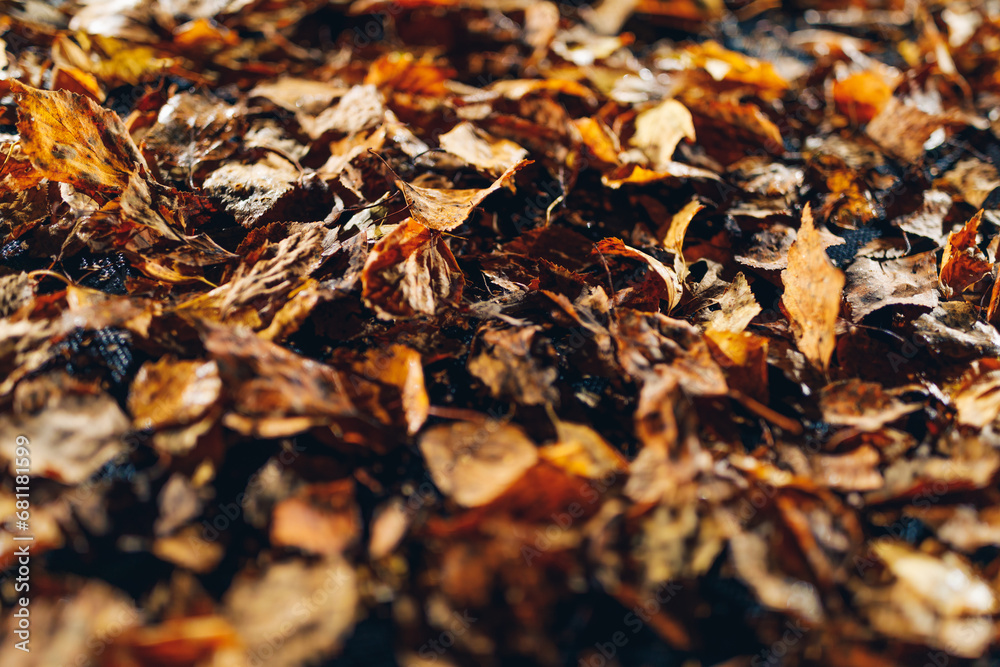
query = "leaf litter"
{"x": 502, "y": 334}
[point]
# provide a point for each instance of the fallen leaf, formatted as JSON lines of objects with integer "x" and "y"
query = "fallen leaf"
{"x": 737, "y": 308}
{"x": 861, "y": 96}
{"x": 658, "y": 131}
{"x": 74, "y": 436}
{"x": 665, "y": 282}
{"x": 294, "y": 611}
{"x": 485, "y": 152}
{"x": 873, "y": 284}
{"x": 411, "y": 273}
{"x": 864, "y": 405}
{"x": 474, "y": 463}
{"x": 812, "y": 294}
{"x": 320, "y": 519}
{"x": 71, "y": 139}
{"x": 963, "y": 263}
{"x": 444, "y": 210}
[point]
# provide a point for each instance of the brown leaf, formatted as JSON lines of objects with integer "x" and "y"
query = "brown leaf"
{"x": 864, "y": 405}
{"x": 581, "y": 451}
{"x": 871, "y": 284}
{"x": 963, "y": 264}
{"x": 512, "y": 363}
{"x": 903, "y": 130}
{"x": 172, "y": 392}
{"x": 600, "y": 141}
{"x": 812, "y": 294}
{"x": 474, "y": 463}
{"x": 663, "y": 280}
{"x": 388, "y": 383}
{"x": 71, "y": 139}
{"x": 861, "y": 96}
{"x": 411, "y": 273}
{"x": 359, "y": 109}
{"x": 74, "y": 436}
{"x": 854, "y": 471}
{"x": 738, "y": 307}
{"x": 321, "y": 519}
{"x": 743, "y": 358}
{"x": 938, "y": 601}
{"x": 977, "y": 400}
{"x": 78, "y": 625}
{"x": 488, "y": 153}
{"x": 444, "y": 210}
{"x": 658, "y": 131}
{"x": 275, "y": 392}
{"x": 311, "y": 607}
{"x": 673, "y": 172}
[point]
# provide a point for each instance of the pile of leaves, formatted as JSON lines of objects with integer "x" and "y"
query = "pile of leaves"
{"x": 648, "y": 332}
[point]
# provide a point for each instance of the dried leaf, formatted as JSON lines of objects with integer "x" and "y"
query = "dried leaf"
{"x": 74, "y": 436}
{"x": 487, "y": 153}
{"x": 863, "y": 405}
{"x": 445, "y": 210}
{"x": 71, "y": 139}
{"x": 963, "y": 263}
{"x": 411, "y": 273}
{"x": 871, "y": 284}
{"x": 474, "y": 463}
{"x": 812, "y": 294}
{"x": 511, "y": 363}
{"x": 738, "y": 307}
{"x": 320, "y": 519}
{"x": 295, "y": 612}
{"x": 658, "y": 131}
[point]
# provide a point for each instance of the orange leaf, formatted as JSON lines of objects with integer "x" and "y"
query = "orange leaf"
{"x": 963, "y": 264}
{"x": 410, "y": 272}
{"x": 444, "y": 210}
{"x": 813, "y": 289}
{"x": 71, "y": 139}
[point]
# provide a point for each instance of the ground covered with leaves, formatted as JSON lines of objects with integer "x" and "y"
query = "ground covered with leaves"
{"x": 653, "y": 332}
